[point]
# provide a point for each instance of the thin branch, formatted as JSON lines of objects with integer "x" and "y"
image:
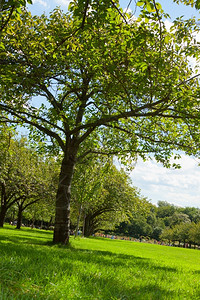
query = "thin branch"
{"x": 185, "y": 81}
{"x": 84, "y": 14}
{"x": 126, "y": 114}
{"x": 10, "y": 110}
{"x": 118, "y": 10}
{"x": 38, "y": 126}
{"x": 8, "y": 19}
{"x": 85, "y": 135}
{"x": 30, "y": 203}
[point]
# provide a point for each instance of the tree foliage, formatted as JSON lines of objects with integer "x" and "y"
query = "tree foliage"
{"x": 25, "y": 177}
{"x": 9, "y": 9}
{"x": 109, "y": 86}
{"x": 104, "y": 195}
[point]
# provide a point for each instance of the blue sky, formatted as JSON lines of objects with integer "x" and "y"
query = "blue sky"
{"x": 179, "y": 187}
{"x": 40, "y": 6}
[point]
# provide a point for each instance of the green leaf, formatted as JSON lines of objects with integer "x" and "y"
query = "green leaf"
{"x": 140, "y": 3}
{"x": 167, "y": 39}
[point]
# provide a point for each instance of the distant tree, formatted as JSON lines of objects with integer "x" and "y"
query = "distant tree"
{"x": 105, "y": 196}
{"x": 180, "y": 233}
{"x": 194, "y": 233}
{"x": 167, "y": 234}
{"x": 40, "y": 188}
{"x": 193, "y": 213}
{"x": 165, "y": 209}
{"x": 24, "y": 177}
{"x": 139, "y": 227}
{"x": 178, "y": 218}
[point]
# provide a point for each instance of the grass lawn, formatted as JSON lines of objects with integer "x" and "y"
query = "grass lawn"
{"x": 32, "y": 268}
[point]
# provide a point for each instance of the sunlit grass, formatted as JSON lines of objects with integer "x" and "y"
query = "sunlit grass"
{"x": 31, "y": 267}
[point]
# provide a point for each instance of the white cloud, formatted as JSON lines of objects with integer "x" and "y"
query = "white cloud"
{"x": 168, "y": 24}
{"x": 41, "y": 2}
{"x": 180, "y": 187}
{"x": 127, "y": 10}
{"x": 63, "y": 2}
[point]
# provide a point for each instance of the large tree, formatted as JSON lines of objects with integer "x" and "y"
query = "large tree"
{"x": 107, "y": 85}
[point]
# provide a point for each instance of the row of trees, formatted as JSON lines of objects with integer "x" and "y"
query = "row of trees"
{"x": 108, "y": 84}
{"x": 102, "y": 196}
{"x": 185, "y": 233}
{"x": 164, "y": 222}
{"x": 26, "y": 177}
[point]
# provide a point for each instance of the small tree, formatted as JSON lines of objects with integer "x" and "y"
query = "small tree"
{"x": 105, "y": 196}
{"x": 25, "y": 178}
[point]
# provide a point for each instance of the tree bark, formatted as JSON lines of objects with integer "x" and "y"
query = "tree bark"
{"x": 63, "y": 197}
{"x": 88, "y": 225}
{"x": 3, "y": 212}
{"x": 19, "y": 218}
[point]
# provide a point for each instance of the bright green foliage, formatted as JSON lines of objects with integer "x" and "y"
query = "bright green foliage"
{"x": 193, "y": 3}
{"x": 9, "y": 9}
{"x": 185, "y": 232}
{"x": 138, "y": 94}
{"x": 194, "y": 233}
{"x": 151, "y": 5}
{"x": 104, "y": 196}
{"x": 25, "y": 177}
{"x": 110, "y": 85}
{"x": 161, "y": 222}
{"x": 144, "y": 224}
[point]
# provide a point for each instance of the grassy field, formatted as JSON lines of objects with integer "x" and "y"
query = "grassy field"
{"x": 32, "y": 268}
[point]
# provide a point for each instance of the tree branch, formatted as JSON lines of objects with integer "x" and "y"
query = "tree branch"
{"x": 38, "y": 126}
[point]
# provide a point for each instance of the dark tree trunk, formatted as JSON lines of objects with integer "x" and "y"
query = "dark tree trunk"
{"x": 63, "y": 197}
{"x": 19, "y": 218}
{"x": 3, "y": 212}
{"x": 88, "y": 225}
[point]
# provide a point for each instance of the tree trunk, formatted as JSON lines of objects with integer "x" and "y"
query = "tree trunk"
{"x": 19, "y": 218}
{"x": 83, "y": 231}
{"x": 3, "y": 212}
{"x": 78, "y": 221}
{"x": 88, "y": 228}
{"x": 63, "y": 197}
{"x": 3, "y": 209}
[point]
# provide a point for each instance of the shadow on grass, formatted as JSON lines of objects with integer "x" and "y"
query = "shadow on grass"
{"x": 28, "y": 236}
{"x": 33, "y": 270}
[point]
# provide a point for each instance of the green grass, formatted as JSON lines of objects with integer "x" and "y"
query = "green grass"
{"x": 32, "y": 268}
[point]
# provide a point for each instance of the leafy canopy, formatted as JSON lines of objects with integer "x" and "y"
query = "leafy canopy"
{"x": 115, "y": 87}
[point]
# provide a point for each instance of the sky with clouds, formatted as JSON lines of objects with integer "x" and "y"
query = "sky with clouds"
{"x": 179, "y": 187}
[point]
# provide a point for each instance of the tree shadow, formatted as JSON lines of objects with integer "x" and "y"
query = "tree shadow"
{"x": 26, "y": 259}
{"x": 27, "y": 236}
